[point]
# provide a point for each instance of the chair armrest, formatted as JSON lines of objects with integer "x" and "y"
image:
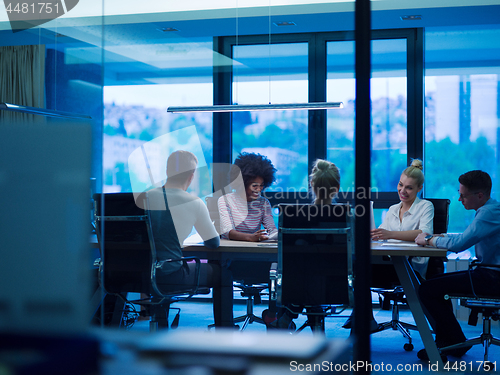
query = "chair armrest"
{"x": 195, "y": 285}
{"x": 476, "y": 263}
{"x": 159, "y": 264}
{"x": 274, "y": 278}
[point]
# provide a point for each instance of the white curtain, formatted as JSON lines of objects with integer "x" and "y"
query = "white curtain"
{"x": 22, "y": 76}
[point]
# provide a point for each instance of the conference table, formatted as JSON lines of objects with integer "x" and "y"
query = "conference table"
{"x": 398, "y": 251}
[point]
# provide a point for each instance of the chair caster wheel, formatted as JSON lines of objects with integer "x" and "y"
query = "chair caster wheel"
{"x": 488, "y": 366}
{"x": 408, "y": 347}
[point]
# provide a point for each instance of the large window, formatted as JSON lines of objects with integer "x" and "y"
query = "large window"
{"x": 277, "y": 73}
{"x": 389, "y": 111}
{"x": 461, "y": 111}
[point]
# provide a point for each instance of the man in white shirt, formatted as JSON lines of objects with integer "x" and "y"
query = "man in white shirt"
{"x": 174, "y": 213}
{"x": 484, "y": 234}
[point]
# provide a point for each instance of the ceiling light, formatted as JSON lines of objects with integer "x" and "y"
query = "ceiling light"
{"x": 257, "y": 107}
{"x": 167, "y": 29}
{"x": 285, "y": 23}
{"x": 411, "y": 18}
{"x": 41, "y": 111}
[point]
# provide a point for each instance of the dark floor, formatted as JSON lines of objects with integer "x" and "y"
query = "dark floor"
{"x": 387, "y": 346}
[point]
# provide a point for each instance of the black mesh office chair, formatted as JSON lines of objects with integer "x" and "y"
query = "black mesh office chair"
{"x": 248, "y": 276}
{"x": 392, "y": 297}
{"x": 489, "y": 307}
{"x": 128, "y": 259}
{"x": 314, "y": 269}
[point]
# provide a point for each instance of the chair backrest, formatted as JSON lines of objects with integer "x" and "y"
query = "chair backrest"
{"x": 440, "y": 225}
{"x": 124, "y": 234}
{"x": 441, "y": 214}
{"x": 314, "y": 254}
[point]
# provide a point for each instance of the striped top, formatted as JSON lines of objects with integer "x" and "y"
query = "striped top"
{"x": 242, "y": 216}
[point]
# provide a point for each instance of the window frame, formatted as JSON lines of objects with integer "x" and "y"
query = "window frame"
{"x": 317, "y": 74}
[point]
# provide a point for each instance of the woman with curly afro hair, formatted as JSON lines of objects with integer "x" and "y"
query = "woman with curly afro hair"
{"x": 245, "y": 211}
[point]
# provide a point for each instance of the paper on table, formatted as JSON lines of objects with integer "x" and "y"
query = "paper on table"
{"x": 399, "y": 242}
{"x": 193, "y": 239}
{"x": 273, "y": 237}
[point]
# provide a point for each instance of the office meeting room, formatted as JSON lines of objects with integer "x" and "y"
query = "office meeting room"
{"x": 235, "y": 187}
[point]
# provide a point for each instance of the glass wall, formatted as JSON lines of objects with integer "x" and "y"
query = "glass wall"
{"x": 461, "y": 111}
{"x": 138, "y": 90}
{"x": 51, "y": 165}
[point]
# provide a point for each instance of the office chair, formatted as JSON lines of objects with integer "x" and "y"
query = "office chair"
{"x": 253, "y": 293}
{"x": 248, "y": 275}
{"x": 391, "y": 298}
{"x": 128, "y": 260}
{"x": 314, "y": 269}
{"x": 489, "y": 307}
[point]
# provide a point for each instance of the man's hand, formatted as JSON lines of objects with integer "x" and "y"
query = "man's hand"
{"x": 420, "y": 239}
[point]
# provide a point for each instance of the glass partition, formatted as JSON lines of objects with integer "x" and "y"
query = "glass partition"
{"x": 52, "y": 164}
{"x": 171, "y": 70}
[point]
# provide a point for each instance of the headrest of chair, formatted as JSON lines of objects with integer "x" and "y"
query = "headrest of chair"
{"x": 313, "y": 215}
{"x": 117, "y": 204}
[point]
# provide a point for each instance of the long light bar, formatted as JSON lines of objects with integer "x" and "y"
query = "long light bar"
{"x": 41, "y": 111}
{"x": 257, "y": 107}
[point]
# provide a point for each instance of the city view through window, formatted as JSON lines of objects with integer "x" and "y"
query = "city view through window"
{"x": 453, "y": 145}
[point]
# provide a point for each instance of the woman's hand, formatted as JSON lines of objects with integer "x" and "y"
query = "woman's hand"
{"x": 379, "y": 234}
{"x": 260, "y": 235}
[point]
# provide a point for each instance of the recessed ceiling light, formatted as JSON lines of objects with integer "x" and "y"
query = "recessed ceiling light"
{"x": 285, "y": 23}
{"x": 167, "y": 29}
{"x": 411, "y": 18}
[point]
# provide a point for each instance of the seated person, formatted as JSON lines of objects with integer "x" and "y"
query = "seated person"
{"x": 410, "y": 217}
{"x": 324, "y": 182}
{"x": 173, "y": 214}
{"x": 406, "y": 219}
{"x": 484, "y": 234}
{"x": 245, "y": 211}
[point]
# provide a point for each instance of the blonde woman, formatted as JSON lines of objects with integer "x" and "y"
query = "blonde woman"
{"x": 324, "y": 182}
{"x": 412, "y": 216}
{"x": 406, "y": 220}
